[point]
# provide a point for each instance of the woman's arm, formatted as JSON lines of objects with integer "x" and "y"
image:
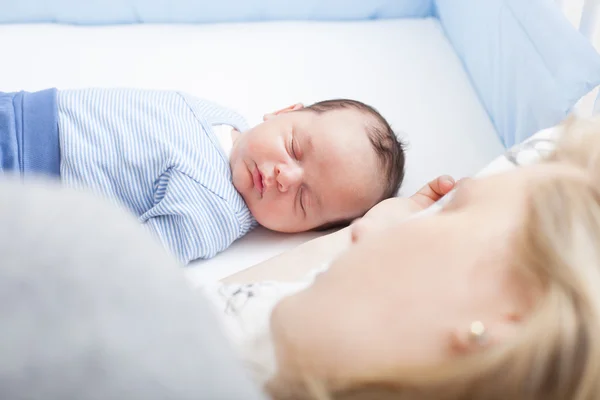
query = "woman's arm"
{"x": 294, "y": 264}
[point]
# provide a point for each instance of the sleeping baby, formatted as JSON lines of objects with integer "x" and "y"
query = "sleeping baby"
{"x": 192, "y": 171}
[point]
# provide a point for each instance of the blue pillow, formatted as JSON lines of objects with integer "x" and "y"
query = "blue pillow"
{"x": 204, "y": 11}
{"x": 527, "y": 63}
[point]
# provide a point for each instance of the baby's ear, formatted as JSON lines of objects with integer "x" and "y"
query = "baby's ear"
{"x": 294, "y": 107}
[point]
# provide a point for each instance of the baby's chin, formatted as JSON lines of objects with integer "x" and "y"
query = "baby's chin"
{"x": 276, "y": 226}
{"x": 273, "y": 222}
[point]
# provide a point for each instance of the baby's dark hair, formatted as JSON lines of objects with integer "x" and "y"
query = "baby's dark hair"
{"x": 387, "y": 146}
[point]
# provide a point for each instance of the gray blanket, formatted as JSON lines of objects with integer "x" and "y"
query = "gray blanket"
{"x": 92, "y": 308}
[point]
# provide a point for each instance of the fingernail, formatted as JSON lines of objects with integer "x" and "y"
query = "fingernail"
{"x": 448, "y": 180}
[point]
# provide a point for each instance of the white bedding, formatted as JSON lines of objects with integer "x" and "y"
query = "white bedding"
{"x": 405, "y": 68}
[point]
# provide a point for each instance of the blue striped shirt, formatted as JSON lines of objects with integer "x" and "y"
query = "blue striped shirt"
{"x": 154, "y": 152}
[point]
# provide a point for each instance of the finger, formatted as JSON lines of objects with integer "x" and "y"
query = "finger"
{"x": 437, "y": 187}
{"x": 444, "y": 185}
{"x": 434, "y": 190}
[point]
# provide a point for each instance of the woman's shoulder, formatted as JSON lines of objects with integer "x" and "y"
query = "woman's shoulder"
{"x": 245, "y": 309}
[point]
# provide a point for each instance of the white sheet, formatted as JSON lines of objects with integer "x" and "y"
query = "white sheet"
{"x": 405, "y": 68}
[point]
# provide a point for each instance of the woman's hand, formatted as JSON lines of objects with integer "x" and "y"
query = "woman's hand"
{"x": 398, "y": 208}
{"x": 433, "y": 191}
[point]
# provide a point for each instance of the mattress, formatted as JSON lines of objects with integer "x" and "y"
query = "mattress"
{"x": 405, "y": 68}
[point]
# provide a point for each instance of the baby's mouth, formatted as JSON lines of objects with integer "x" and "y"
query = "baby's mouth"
{"x": 258, "y": 180}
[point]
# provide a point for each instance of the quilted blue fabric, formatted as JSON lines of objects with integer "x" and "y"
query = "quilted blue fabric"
{"x": 94, "y": 12}
{"x": 526, "y": 61}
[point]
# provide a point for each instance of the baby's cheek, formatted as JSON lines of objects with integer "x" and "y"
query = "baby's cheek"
{"x": 251, "y": 148}
{"x": 283, "y": 215}
{"x": 257, "y": 149}
{"x": 240, "y": 178}
{"x": 265, "y": 214}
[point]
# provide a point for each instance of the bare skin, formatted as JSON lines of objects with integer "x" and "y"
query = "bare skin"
{"x": 293, "y": 265}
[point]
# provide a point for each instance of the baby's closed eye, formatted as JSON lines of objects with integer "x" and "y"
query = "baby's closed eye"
{"x": 301, "y": 200}
{"x": 295, "y": 151}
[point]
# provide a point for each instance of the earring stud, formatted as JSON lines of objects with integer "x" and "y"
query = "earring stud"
{"x": 477, "y": 332}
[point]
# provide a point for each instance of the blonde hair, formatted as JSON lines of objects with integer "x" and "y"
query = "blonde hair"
{"x": 556, "y": 353}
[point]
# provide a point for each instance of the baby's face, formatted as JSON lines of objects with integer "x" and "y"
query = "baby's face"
{"x": 299, "y": 170}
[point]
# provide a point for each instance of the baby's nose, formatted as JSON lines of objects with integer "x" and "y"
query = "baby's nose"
{"x": 288, "y": 177}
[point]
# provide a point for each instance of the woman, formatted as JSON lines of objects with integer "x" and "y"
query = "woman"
{"x": 497, "y": 296}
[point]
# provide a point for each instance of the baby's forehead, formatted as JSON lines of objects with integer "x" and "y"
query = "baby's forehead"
{"x": 343, "y": 140}
{"x": 342, "y": 126}
{"x": 342, "y": 160}
{"x": 349, "y": 186}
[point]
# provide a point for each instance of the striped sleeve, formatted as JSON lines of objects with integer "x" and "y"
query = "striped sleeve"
{"x": 190, "y": 220}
